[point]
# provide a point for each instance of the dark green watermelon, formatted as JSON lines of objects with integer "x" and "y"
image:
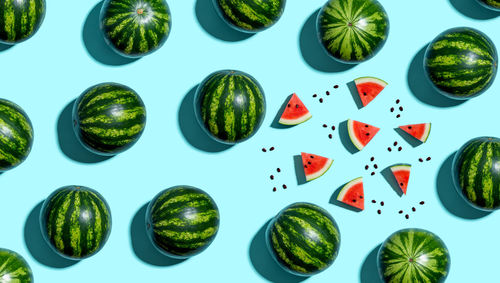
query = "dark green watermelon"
{"x": 230, "y": 106}
{"x": 353, "y": 31}
{"x": 109, "y": 118}
{"x": 476, "y": 172}
{"x": 13, "y": 268}
{"x": 303, "y": 239}
{"x": 491, "y": 4}
{"x": 461, "y": 62}
{"x": 182, "y": 221}
{"x": 135, "y": 28}
{"x": 20, "y": 20}
{"x": 250, "y": 15}
{"x": 16, "y": 135}
{"x": 413, "y": 255}
{"x": 75, "y": 221}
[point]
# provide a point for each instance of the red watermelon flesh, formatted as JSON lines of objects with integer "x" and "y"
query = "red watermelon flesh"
{"x": 368, "y": 88}
{"x": 295, "y": 112}
{"x": 314, "y": 165}
{"x": 419, "y": 131}
{"x": 352, "y": 194}
{"x": 402, "y": 174}
{"x": 361, "y": 133}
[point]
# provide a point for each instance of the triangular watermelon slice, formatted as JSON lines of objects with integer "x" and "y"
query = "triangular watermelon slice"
{"x": 369, "y": 88}
{"x": 360, "y": 133}
{"x": 295, "y": 112}
{"x": 352, "y": 194}
{"x": 402, "y": 174}
{"x": 315, "y": 165}
{"x": 419, "y": 131}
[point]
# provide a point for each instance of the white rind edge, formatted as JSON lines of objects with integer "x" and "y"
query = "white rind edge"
{"x": 346, "y": 186}
{"x": 320, "y": 173}
{"x": 354, "y": 141}
{"x": 295, "y": 121}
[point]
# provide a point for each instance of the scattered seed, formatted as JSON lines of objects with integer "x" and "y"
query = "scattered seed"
{"x": 397, "y": 101}
{"x": 324, "y": 126}
{"x": 375, "y": 166}
{"x": 333, "y": 128}
{"x": 413, "y": 209}
{"x": 272, "y": 177}
{"x": 284, "y": 186}
{"x": 395, "y": 143}
{"x": 272, "y": 148}
{"x": 428, "y": 158}
{"x": 407, "y": 216}
{"x": 278, "y": 170}
{"x": 373, "y": 173}
{"x": 315, "y": 95}
{"x": 327, "y": 92}
{"x": 264, "y": 150}
{"x": 397, "y": 116}
{"x": 421, "y": 160}
{"x": 366, "y": 167}
{"x": 400, "y": 108}
{"x": 392, "y": 109}
{"x": 372, "y": 158}
{"x": 379, "y": 211}
{"x": 330, "y": 136}
{"x": 400, "y": 212}
{"x": 389, "y": 149}
{"x": 422, "y": 203}
{"x": 274, "y": 189}
{"x": 374, "y": 201}
{"x": 336, "y": 86}
{"x": 382, "y": 203}
{"x": 321, "y": 100}
{"x": 400, "y": 148}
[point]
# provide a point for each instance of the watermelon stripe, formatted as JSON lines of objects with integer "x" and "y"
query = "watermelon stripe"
{"x": 250, "y": 15}
{"x": 19, "y": 20}
{"x": 14, "y": 268}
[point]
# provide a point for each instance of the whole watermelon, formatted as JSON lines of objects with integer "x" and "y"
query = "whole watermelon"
{"x": 230, "y": 106}
{"x": 303, "y": 239}
{"x": 16, "y": 135}
{"x": 135, "y": 28}
{"x": 20, "y": 20}
{"x": 461, "y": 62}
{"x": 182, "y": 221}
{"x": 476, "y": 172}
{"x": 109, "y": 118}
{"x": 352, "y": 31}
{"x": 491, "y": 4}
{"x": 413, "y": 255}
{"x": 13, "y": 268}
{"x": 250, "y": 15}
{"x": 75, "y": 221}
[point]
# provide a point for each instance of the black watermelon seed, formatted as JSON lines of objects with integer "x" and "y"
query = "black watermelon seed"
{"x": 327, "y": 92}
{"x": 274, "y": 189}
{"x": 309, "y": 162}
{"x": 296, "y": 106}
{"x": 264, "y": 150}
{"x": 397, "y": 101}
{"x": 278, "y": 169}
{"x": 330, "y": 136}
{"x": 353, "y": 200}
{"x": 400, "y": 148}
{"x": 272, "y": 148}
{"x": 392, "y": 109}
{"x": 407, "y": 216}
{"x": 367, "y": 134}
{"x": 360, "y": 196}
{"x": 305, "y": 166}
{"x": 284, "y": 186}
{"x": 321, "y": 100}
{"x": 382, "y": 203}
{"x": 315, "y": 95}
{"x": 272, "y": 177}
{"x": 400, "y": 108}
{"x": 366, "y": 167}
{"x": 401, "y": 184}
{"x": 372, "y": 158}
{"x": 379, "y": 211}
{"x": 421, "y": 160}
{"x": 413, "y": 209}
{"x": 333, "y": 128}
{"x": 409, "y": 127}
{"x": 324, "y": 126}
{"x": 336, "y": 86}
{"x": 364, "y": 93}
{"x": 288, "y": 105}
{"x": 428, "y": 158}
{"x": 311, "y": 156}
{"x": 373, "y": 173}
{"x": 366, "y": 126}
{"x": 395, "y": 143}
{"x": 400, "y": 212}
{"x": 422, "y": 203}
{"x": 389, "y": 149}
{"x": 375, "y": 166}
{"x": 397, "y": 116}
{"x": 374, "y": 201}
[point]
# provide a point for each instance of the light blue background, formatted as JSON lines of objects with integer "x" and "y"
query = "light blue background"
{"x": 47, "y": 72}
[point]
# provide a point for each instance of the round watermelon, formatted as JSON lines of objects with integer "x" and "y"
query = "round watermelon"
{"x": 230, "y": 106}
{"x": 476, "y": 172}
{"x": 491, "y": 4}
{"x": 303, "y": 239}
{"x": 75, "y": 221}
{"x": 461, "y": 62}
{"x": 352, "y": 31}
{"x": 13, "y": 268}
{"x": 250, "y": 15}
{"x": 20, "y": 20}
{"x": 182, "y": 221}
{"x": 413, "y": 255}
{"x": 16, "y": 135}
{"x": 135, "y": 28}
{"x": 109, "y": 118}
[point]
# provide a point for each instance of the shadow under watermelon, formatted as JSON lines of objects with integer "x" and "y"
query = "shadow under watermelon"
{"x": 141, "y": 244}
{"x": 369, "y": 270}
{"x": 450, "y": 197}
{"x": 4, "y": 47}
{"x": 263, "y": 262}
{"x": 36, "y": 244}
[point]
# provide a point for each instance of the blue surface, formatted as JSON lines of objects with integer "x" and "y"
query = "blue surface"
{"x": 46, "y": 73}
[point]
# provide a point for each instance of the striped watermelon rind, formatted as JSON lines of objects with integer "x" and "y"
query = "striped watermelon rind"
{"x": 20, "y": 20}
{"x": 461, "y": 63}
{"x": 109, "y": 118}
{"x": 405, "y": 168}
{"x": 75, "y": 222}
{"x": 491, "y": 4}
{"x": 303, "y": 239}
{"x": 230, "y": 106}
{"x": 355, "y": 139}
{"x": 14, "y": 268}
{"x": 16, "y": 135}
{"x": 182, "y": 221}
{"x": 135, "y": 28}
{"x": 476, "y": 172}
{"x": 250, "y": 16}
{"x": 347, "y": 190}
{"x": 352, "y": 31}
{"x": 413, "y": 255}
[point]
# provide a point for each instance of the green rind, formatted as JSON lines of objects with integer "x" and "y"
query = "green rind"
{"x": 132, "y": 34}
{"x": 303, "y": 239}
{"x": 476, "y": 172}
{"x": 320, "y": 172}
{"x": 230, "y": 106}
{"x": 250, "y": 15}
{"x": 20, "y": 20}
{"x": 491, "y": 4}
{"x": 109, "y": 118}
{"x": 461, "y": 62}
{"x": 16, "y": 135}
{"x": 75, "y": 221}
{"x": 413, "y": 255}
{"x": 14, "y": 268}
{"x": 182, "y": 221}
{"x": 360, "y": 41}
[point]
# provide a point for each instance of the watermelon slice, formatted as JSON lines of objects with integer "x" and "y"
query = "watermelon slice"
{"x": 315, "y": 165}
{"x": 295, "y": 112}
{"x": 402, "y": 174}
{"x": 360, "y": 133}
{"x": 369, "y": 88}
{"x": 352, "y": 194}
{"x": 419, "y": 131}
